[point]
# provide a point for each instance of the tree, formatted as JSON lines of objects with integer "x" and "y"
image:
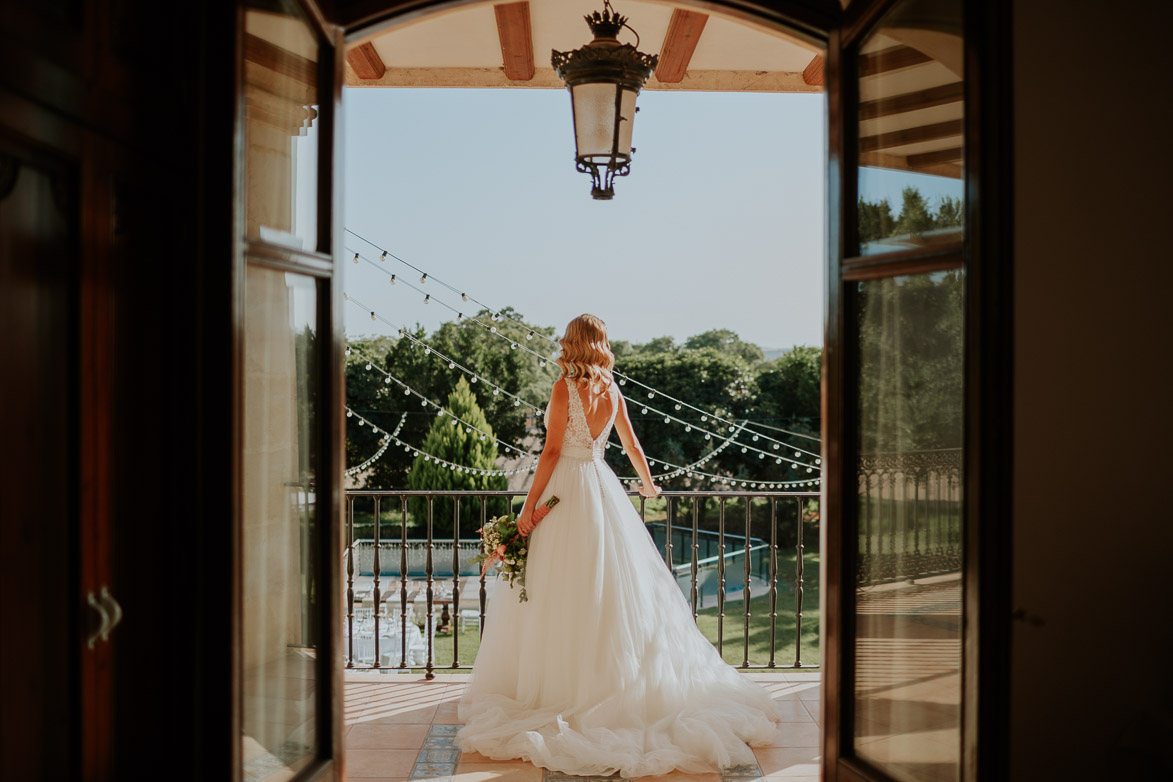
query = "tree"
{"x": 707, "y": 378}
{"x": 457, "y": 444}
{"x": 726, "y": 341}
{"x": 910, "y": 363}
{"x": 915, "y": 217}
{"x": 875, "y": 221}
{"x": 790, "y": 389}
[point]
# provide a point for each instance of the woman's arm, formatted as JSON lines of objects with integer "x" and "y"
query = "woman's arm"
{"x": 635, "y": 451}
{"x": 559, "y": 408}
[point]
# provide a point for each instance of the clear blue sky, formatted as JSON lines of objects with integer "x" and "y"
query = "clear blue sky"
{"x": 719, "y": 225}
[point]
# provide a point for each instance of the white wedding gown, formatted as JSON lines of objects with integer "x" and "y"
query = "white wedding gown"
{"x": 603, "y": 669}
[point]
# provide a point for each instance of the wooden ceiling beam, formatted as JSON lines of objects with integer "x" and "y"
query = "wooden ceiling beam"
{"x": 684, "y": 32}
{"x": 279, "y": 60}
{"x": 517, "y": 40}
{"x": 912, "y": 101}
{"x": 366, "y": 62}
{"x": 935, "y": 158}
{"x": 891, "y": 59}
{"x": 813, "y": 73}
{"x": 915, "y": 135}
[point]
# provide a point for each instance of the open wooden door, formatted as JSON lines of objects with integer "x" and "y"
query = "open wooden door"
{"x": 288, "y": 396}
{"x": 915, "y": 403}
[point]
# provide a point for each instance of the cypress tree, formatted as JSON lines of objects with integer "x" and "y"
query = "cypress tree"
{"x": 454, "y": 438}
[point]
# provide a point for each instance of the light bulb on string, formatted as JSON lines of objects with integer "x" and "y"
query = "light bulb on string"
{"x": 464, "y": 297}
{"x": 459, "y": 316}
{"x": 622, "y": 381}
{"x": 349, "y": 413}
{"x": 704, "y": 418}
{"x": 383, "y": 257}
{"x": 677, "y": 406}
{"x": 797, "y": 455}
{"x": 688, "y": 428}
{"x": 492, "y": 329}
{"x": 474, "y": 379}
{"x": 387, "y": 381}
{"x": 452, "y": 365}
{"x": 755, "y": 438}
{"x": 513, "y": 346}
{"x": 356, "y": 257}
{"x": 372, "y": 316}
{"x": 423, "y": 403}
{"x": 777, "y": 446}
{"x": 427, "y": 298}
{"x": 530, "y": 335}
{"x": 644, "y": 411}
{"x": 368, "y": 367}
{"x": 392, "y": 279}
{"x": 348, "y": 351}
{"x": 667, "y": 420}
{"x": 542, "y": 363}
{"x": 424, "y": 277}
{"x": 407, "y": 392}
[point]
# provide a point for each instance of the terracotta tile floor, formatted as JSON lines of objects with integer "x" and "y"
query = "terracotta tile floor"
{"x": 401, "y": 727}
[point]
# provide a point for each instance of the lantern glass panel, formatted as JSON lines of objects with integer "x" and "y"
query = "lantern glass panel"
{"x": 626, "y": 121}
{"x": 594, "y": 119}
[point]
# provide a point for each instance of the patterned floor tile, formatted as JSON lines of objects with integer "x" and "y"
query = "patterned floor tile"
{"x": 741, "y": 771}
{"x": 433, "y": 770}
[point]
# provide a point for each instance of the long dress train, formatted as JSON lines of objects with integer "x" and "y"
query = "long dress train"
{"x": 603, "y": 669}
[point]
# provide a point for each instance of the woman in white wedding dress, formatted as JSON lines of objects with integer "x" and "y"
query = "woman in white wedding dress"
{"x": 603, "y": 669}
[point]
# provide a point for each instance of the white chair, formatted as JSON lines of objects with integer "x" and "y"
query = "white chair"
{"x": 469, "y": 616}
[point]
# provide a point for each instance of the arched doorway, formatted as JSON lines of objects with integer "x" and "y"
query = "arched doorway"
{"x": 905, "y": 107}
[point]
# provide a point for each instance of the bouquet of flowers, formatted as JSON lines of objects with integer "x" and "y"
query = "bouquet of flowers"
{"x": 503, "y": 545}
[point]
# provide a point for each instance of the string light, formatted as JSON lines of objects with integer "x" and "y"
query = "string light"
{"x": 424, "y": 402}
{"x": 499, "y": 316}
{"x": 385, "y": 442}
{"x": 651, "y": 394}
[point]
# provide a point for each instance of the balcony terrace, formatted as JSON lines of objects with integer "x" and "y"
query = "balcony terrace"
{"x": 400, "y": 727}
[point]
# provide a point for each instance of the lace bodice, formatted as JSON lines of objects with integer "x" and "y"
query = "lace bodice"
{"x": 578, "y": 431}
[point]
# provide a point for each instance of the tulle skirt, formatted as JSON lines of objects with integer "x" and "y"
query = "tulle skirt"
{"x": 603, "y": 670}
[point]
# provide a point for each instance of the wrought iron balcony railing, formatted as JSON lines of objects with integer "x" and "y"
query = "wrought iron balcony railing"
{"x": 909, "y": 515}
{"x": 427, "y": 563}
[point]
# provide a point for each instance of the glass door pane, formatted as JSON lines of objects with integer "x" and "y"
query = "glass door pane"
{"x": 281, "y": 105}
{"x": 908, "y": 598}
{"x": 281, "y": 525}
{"x": 911, "y": 146}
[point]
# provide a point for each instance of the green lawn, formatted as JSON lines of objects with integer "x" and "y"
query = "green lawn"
{"x": 759, "y": 622}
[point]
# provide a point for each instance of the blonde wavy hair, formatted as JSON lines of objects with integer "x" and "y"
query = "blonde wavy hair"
{"x": 586, "y": 354}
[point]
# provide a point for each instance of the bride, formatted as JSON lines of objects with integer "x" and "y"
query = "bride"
{"x": 603, "y": 670}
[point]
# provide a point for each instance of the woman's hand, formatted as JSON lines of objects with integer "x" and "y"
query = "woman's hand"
{"x": 525, "y": 522}
{"x": 649, "y": 494}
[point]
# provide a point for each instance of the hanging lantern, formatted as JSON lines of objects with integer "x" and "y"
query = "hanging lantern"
{"x": 604, "y": 77}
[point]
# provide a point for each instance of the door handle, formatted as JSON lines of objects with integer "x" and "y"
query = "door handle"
{"x": 109, "y": 615}
{"x": 114, "y": 609}
{"x": 103, "y": 620}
